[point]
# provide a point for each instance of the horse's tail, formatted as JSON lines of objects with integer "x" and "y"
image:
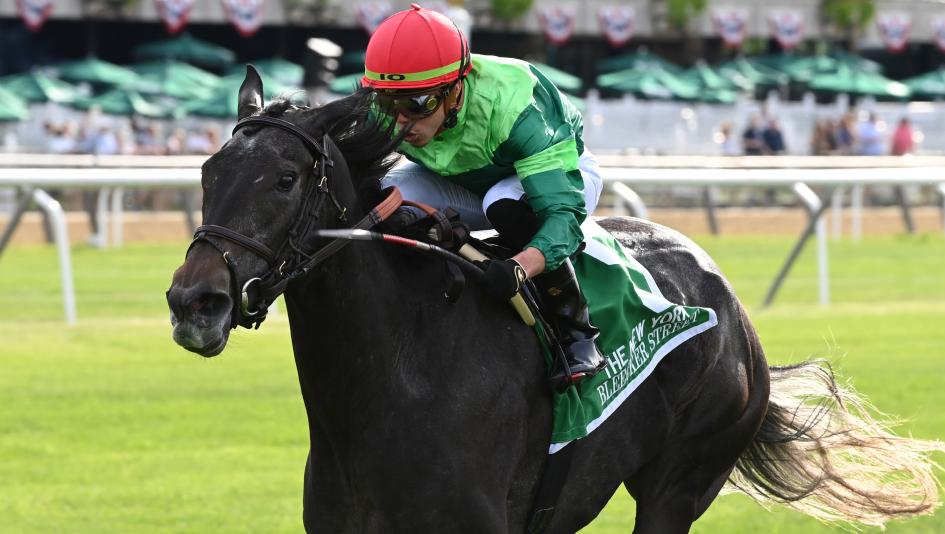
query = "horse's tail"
{"x": 821, "y": 452}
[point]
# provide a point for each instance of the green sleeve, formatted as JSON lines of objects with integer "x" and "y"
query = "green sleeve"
{"x": 543, "y": 148}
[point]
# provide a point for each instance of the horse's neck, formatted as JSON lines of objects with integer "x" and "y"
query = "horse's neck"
{"x": 342, "y": 319}
{"x": 381, "y": 355}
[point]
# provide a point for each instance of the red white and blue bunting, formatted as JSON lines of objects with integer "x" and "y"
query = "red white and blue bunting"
{"x": 617, "y": 24}
{"x": 34, "y": 12}
{"x": 938, "y": 32}
{"x": 371, "y": 14}
{"x": 894, "y": 28}
{"x": 557, "y": 22}
{"x": 732, "y": 25}
{"x": 174, "y": 13}
{"x": 787, "y": 27}
{"x": 246, "y": 15}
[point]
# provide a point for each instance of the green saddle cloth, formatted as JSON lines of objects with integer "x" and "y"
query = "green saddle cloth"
{"x": 638, "y": 328}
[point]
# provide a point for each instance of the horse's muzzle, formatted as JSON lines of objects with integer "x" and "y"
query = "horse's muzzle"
{"x": 200, "y": 315}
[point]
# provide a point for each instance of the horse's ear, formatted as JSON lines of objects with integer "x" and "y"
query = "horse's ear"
{"x": 250, "y": 101}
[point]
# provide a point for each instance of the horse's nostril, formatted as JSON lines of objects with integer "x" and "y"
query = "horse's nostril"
{"x": 211, "y": 304}
{"x": 198, "y": 301}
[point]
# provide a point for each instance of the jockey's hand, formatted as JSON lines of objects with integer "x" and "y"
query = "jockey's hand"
{"x": 503, "y": 278}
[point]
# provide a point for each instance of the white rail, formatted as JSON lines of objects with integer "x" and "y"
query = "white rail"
{"x": 661, "y": 176}
{"x": 32, "y": 173}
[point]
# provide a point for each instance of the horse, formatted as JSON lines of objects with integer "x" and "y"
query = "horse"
{"x": 433, "y": 416}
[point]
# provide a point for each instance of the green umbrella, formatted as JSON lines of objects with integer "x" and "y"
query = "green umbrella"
{"x": 716, "y": 96}
{"x": 347, "y": 84}
{"x": 125, "y": 103}
{"x": 564, "y": 81}
{"x": 856, "y": 62}
{"x": 806, "y": 68}
{"x": 186, "y": 48}
{"x": 351, "y": 62}
{"x": 224, "y": 102}
{"x": 706, "y": 77}
{"x": 635, "y": 60}
{"x": 859, "y": 83}
{"x": 271, "y": 86}
{"x": 278, "y": 69}
{"x": 37, "y": 87}
{"x": 177, "y": 79}
{"x": 749, "y": 74}
{"x": 649, "y": 81}
{"x": 96, "y": 71}
{"x": 177, "y": 70}
{"x": 928, "y": 85}
{"x": 12, "y": 107}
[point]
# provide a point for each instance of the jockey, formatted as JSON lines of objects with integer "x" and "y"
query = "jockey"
{"x": 492, "y": 138}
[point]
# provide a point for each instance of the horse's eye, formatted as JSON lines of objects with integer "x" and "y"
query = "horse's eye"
{"x": 285, "y": 182}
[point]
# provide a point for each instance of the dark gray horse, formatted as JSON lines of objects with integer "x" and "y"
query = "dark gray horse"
{"x": 426, "y": 416}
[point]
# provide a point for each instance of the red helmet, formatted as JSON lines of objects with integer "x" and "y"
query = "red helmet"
{"x": 415, "y": 49}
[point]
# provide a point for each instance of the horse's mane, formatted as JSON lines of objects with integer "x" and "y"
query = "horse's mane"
{"x": 367, "y": 143}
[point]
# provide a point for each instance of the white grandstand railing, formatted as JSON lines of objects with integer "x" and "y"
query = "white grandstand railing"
{"x": 31, "y": 173}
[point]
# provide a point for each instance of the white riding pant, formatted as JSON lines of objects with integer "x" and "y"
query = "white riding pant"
{"x": 422, "y": 185}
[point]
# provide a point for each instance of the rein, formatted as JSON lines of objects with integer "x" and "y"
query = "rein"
{"x": 257, "y": 293}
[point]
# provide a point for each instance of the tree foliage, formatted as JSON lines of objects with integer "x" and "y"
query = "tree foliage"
{"x": 510, "y": 9}
{"x": 849, "y": 15}
{"x": 306, "y": 10}
{"x": 680, "y": 12}
{"x": 111, "y": 8}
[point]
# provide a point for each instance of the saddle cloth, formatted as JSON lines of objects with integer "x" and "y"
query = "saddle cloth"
{"x": 638, "y": 328}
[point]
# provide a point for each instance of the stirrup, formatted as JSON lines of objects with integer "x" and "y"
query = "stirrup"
{"x": 565, "y": 379}
{"x": 562, "y": 382}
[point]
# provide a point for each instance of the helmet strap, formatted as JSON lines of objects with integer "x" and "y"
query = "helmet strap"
{"x": 452, "y": 113}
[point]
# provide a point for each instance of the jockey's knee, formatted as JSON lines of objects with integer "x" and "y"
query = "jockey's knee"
{"x": 515, "y": 221}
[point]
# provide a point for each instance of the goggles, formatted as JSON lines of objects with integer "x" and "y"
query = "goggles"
{"x": 410, "y": 105}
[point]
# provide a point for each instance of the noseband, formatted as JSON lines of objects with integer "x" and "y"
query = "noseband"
{"x": 289, "y": 261}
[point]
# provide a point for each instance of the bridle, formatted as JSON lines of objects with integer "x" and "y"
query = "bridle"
{"x": 289, "y": 260}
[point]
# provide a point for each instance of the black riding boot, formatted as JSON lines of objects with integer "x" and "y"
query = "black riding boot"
{"x": 517, "y": 224}
{"x": 563, "y": 299}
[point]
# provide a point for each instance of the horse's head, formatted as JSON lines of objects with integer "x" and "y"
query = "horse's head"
{"x": 285, "y": 173}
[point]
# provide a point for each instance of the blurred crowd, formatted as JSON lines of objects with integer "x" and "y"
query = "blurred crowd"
{"x": 143, "y": 138}
{"x": 866, "y": 137}
{"x": 847, "y": 135}
{"x": 146, "y": 138}
{"x": 762, "y": 136}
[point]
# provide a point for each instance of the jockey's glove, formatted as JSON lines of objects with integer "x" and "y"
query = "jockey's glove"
{"x": 503, "y": 278}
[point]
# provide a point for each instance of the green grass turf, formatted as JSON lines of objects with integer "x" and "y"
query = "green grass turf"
{"x": 110, "y": 427}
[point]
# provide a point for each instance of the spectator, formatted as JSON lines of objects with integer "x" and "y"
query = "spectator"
{"x": 727, "y": 140}
{"x": 105, "y": 142}
{"x": 148, "y": 140}
{"x": 822, "y": 143}
{"x": 902, "y": 141}
{"x": 177, "y": 142}
{"x": 869, "y": 137}
{"x": 773, "y": 138}
{"x": 203, "y": 141}
{"x": 844, "y": 134}
{"x": 60, "y": 139}
{"x": 753, "y": 143}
